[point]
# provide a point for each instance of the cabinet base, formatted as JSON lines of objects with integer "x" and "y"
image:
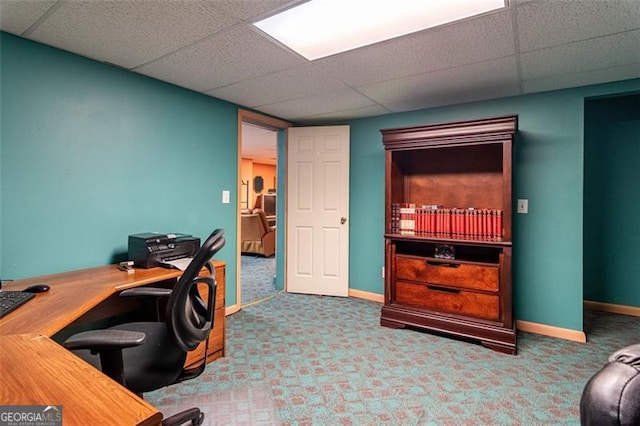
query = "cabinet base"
{"x": 498, "y": 338}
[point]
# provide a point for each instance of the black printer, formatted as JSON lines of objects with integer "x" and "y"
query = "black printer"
{"x": 150, "y": 249}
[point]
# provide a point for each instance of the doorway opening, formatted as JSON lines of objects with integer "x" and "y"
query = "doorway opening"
{"x": 260, "y": 193}
{"x": 611, "y": 206}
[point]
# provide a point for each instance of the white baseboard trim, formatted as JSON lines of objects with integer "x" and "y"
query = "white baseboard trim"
{"x": 613, "y": 308}
{"x": 552, "y": 331}
{"x": 359, "y": 294}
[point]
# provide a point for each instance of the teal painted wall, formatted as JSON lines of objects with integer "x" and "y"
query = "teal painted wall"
{"x": 281, "y": 209}
{"x": 92, "y": 153}
{"x": 548, "y": 171}
{"x": 612, "y": 200}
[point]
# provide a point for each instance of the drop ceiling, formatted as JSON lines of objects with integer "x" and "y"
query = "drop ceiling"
{"x": 211, "y": 47}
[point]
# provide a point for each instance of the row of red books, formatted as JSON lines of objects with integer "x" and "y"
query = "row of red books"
{"x": 439, "y": 222}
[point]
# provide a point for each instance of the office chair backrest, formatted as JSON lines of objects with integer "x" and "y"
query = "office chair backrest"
{"x": 189, "y": 318}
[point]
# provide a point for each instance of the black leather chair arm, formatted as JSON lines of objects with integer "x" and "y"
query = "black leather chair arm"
{"x": 98, "y": 340}
{"x": 146, "y": 291}
{"x": 150, "y": 298}
{"x": 629, "y": 355}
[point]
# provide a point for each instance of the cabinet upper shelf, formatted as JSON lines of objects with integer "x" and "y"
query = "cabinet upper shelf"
{"x": 483, "y": 243}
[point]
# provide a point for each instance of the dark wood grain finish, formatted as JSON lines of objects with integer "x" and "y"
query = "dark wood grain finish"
{"x": 455, "y": 165}
{"x": 446, "y": 299}
{"x": 488, "y": 334}
{"x": 447, "y": 273}
{"x": 469, "y": 132}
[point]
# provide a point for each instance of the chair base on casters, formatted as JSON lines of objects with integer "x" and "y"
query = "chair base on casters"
{"x": 192, "y": 414}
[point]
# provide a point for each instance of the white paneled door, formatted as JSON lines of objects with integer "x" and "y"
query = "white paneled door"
{"x": 318, "y": 210}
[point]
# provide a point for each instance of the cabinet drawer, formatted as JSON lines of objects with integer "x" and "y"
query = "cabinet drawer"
{"x": 479, "y": 305}
{"x": 461, "y": 275}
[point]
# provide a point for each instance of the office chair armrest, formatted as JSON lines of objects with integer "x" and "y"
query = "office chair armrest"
{"x": 193, "y": 415}
{"x": 98, "y": 340}
{"x": 150, "y": 298}
{"x": 146, "y": 291}
{"x": 109, "y": 344}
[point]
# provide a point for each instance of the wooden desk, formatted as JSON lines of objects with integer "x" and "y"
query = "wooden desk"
{"x": 74, "y": 298}
{"x": 76, "y": 293}
{"x": 72, "y": 295}
{"x": 38, "y": 371}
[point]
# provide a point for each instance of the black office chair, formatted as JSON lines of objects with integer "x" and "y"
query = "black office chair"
{"x": 145, "y": 356}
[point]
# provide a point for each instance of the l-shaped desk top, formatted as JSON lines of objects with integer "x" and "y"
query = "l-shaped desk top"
{"x": 46, "y": 373}
{"x": 73, "y": 294}
{"x": 38, "y": 371}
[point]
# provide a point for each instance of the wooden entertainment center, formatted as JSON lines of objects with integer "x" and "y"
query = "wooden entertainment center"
{"x": 448, "y": 240}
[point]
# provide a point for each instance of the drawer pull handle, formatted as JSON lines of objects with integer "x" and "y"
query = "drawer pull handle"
{"x": 443, "y": 264}
{"x": 443, "y": 289}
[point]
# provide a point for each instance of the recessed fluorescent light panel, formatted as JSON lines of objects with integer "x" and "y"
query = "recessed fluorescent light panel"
{"x": 320, "y": 28}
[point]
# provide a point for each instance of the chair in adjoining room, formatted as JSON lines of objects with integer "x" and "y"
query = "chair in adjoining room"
{"x": 145, "y": 356}
{"x": 256, "y": 234}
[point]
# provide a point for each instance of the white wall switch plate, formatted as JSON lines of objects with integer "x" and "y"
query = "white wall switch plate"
{"x": 226, "y": 195}
{"x": 523, "y": 206}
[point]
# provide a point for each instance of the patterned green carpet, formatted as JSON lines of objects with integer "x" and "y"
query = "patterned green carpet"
{"x": 258, "y": 276}
{"x": 310, "y": 360}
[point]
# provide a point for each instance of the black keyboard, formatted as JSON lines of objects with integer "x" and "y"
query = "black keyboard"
{"x": 10, "y": 300}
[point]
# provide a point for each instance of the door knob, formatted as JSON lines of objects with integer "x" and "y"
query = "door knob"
{"x": 343, "y": 220}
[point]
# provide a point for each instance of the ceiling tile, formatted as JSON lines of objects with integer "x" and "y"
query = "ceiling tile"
{"x": 252, "y": 9}
{"x": 477, "y": 39}
{"x": 604, "y": 52}
{"x": 230, "y": 56}
{"x": 335, "y": 101}
{"x": 624, "y": 72}
{"x": 445, "y": 87}
{"x": 292, "y": 83}
{"x": 210, "y": 46}
{"x": 16, "y": 16}
{"x": 129, "y": 33}
{"x": 454, "y": 97}
{"x": 550, "y": 23}
{"x": 368, "y": 111}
